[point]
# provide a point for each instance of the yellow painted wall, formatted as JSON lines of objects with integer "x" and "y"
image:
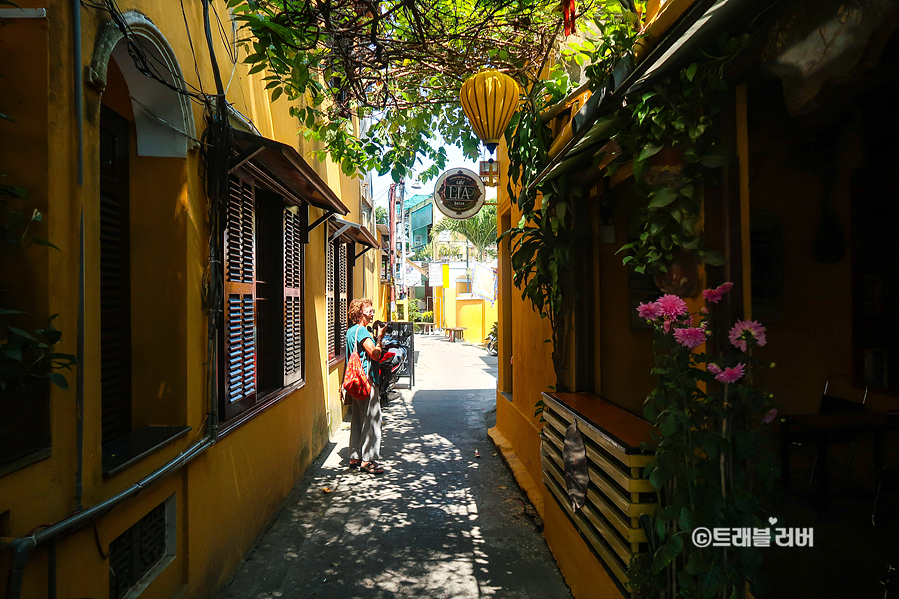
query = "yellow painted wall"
{"x": 226, "y": 495}
{"x": 477, "y": 315}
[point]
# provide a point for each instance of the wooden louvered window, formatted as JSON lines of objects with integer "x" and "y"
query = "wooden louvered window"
{"x": 293, "y": 296}
{"x": 115, "y": 277}
{"x": 339, "y": 292}
{"x": 333, "y": 352}
{"x": 263, "y": 321}
{"x": 141, "y": 552}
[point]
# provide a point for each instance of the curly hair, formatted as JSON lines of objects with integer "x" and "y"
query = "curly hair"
{"x": 354, "y": 312}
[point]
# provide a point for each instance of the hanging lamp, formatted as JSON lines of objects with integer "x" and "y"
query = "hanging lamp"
{"x": 489, "y": 99}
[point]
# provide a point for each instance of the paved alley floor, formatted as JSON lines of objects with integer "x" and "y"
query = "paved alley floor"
{"x": 440, "y": 523}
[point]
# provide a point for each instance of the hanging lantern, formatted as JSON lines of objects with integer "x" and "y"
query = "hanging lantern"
{"x": 490, "y": 172}
{"x": 489, "y": 100}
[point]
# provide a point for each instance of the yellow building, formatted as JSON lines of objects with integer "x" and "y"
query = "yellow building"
{"x": 811, "y": 172}
{"x": 205, "y": 388}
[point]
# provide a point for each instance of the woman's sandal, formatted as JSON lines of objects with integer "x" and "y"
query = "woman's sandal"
{"x": 372, "y": 468}
{"x": 355, "y": 463}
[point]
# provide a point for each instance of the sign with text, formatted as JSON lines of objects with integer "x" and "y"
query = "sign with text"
{"x": 459, "y": 193}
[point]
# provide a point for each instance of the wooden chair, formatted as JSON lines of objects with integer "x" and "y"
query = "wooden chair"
{"x": 831, "y": 404}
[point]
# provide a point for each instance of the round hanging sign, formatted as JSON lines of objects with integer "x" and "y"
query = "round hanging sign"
{"x": 459, "y": 193}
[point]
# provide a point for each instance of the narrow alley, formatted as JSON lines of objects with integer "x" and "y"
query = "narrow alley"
{"x": 445, "y": 521}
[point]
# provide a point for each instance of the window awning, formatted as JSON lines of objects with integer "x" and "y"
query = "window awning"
{"x": 354, "y": 233}
{"x": 284, "y": 167}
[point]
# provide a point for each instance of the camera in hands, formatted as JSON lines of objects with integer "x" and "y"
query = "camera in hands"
{"x": 388, "y": 328}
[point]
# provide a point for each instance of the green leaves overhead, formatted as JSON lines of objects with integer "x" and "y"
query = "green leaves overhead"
{"x": 398, "y": 63}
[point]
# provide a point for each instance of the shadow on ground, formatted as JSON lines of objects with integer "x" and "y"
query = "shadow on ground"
{"x": 442, "y": 523}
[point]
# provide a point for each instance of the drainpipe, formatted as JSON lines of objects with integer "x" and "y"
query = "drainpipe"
{"x": 79, "y": 384}
{"x": 79, "y": 85}
{"x": 23, "y": 546}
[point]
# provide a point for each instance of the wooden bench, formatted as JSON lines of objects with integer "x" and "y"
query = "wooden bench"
{"x": 426, "y": 327}
{"x": 453, "y": 333}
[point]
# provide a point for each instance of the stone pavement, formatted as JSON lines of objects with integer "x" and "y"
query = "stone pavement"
{"x": 440, "y": 523}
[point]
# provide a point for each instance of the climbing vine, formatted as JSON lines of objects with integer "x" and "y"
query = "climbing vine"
{"x": 679, "y": 116}
{"x": 544, "y": 240}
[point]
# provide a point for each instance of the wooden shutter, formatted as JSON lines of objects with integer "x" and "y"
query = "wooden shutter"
{"x": 329, "y": 293}
{"x": 293, "y": 296}
{"x": 115, "y": 277}
{"x": 240, "y": 307}
{"x": 343, "y": 299}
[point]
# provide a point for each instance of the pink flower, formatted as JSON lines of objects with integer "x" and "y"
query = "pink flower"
{"x": 730, "y": 375}
{"x": 649, "y": 311}
{"x": 714, "y": 368}
{"x": 666, "y": 325}
{"x": 770, "y": 416}
{"x": 715, "y": 295}
{"x": 671, "y": 305}
{"x": 704, "y": 310}
{"x": 746, "y": 331}
{"x": 690, "y": 338}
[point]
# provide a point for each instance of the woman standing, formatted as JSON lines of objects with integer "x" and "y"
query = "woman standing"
{"x": 365, "y": 425}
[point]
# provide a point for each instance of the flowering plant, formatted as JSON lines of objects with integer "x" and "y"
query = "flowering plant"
{"x": 712, "y": 464}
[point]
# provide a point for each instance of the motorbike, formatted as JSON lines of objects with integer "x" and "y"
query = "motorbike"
{"x": 492, "y": 341}
{"x": 392, "y": 362}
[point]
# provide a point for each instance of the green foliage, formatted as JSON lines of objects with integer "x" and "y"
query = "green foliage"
{"x": 24, "y": 355}
{"x": 401, "y": 62}
{"x": 679, "y": 114}
{"x": 543, "y": 241}
{"x": 642, "y": 581}
{"x": 479, "y": 230}
{"x": 713, "y": 466}
{"x": 414, "y": 311}
{"x": 381, "y": 215}
{"x": 422, "y": 254}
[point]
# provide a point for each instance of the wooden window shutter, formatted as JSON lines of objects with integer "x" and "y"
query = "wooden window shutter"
{"x": 329, "y": 293}
{"x": 342, "y": 249}
{"x": 115, "y": 277}
{"x": 240, "y": 308}
{"x": 293, "y": 296}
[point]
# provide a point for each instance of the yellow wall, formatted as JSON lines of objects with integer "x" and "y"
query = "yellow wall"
{"x": 226, "y": 495}
{"x": 477, "y": 315}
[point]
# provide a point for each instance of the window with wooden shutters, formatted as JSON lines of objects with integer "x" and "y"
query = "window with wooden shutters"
{"x": 264, "y": 346}
{"x": 339, "y": 293}
{"x": 293, "y": 296}
{"x": 240, "y": 301}
{"x": 115, "y": 278}
{"x": 331, "y": 300}
{"x": 343, "y": 298}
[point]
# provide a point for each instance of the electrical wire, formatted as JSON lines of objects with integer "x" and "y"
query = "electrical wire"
{"x": 193, "y": 53}
{"x": 147, "y": 62}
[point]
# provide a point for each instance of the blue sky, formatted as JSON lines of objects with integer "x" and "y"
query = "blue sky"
{"x": 380, "y": 185}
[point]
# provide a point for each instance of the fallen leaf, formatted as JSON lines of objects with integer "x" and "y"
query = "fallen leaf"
{"x": 326, "y": 490}
{"x": 502, "y": 487}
